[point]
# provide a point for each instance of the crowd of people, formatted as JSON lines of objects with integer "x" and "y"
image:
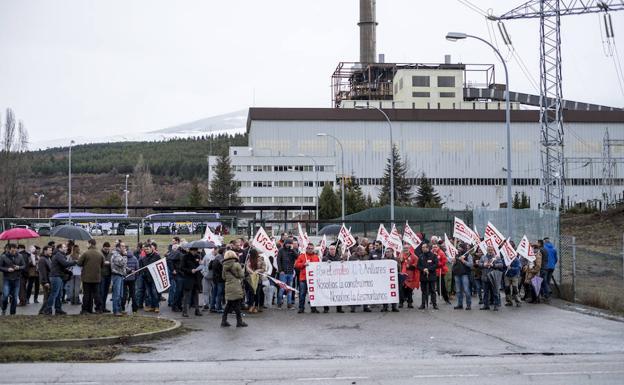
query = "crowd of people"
{"x": 236, "y": 277}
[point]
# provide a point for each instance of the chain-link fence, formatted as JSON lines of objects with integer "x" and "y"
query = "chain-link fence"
{"x": 592, "y": 275}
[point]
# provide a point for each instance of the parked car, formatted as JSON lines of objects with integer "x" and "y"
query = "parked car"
{"x": 44, "y": 231}
{"x": 184, "y": 229}
{"x": 96, "y": 230}
{"x": 163, "y": 230}
{"x": 132, "y": 229}
{"x": 121, "y": 228}
{"x": 200, "y": 229}
{"x": 147, "y": 230}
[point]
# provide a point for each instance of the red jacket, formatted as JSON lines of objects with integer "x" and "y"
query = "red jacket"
{"x": 409, "y": 263}
{"x": 301, "y": 261}
{"x": 441, "y": 263}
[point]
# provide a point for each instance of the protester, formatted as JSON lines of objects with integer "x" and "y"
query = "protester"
{"x": 532, "y": 270}
{"x": 105, "y": 282}
{"x": 376, "y": 251}
{"x": 461, "y": 266}
{"x": 286, "y": 257}
{"x": 358, "y": 255}
{"x": 12, "y": 265}
{"x": 233, "y": 276}
{"x": 409, "y": 276}
{"x": 491, "y": 271}
{"x": 427, "y": 265}
{"x": 73, "y": 285}
{"x": 512, "y": 276}
{"x": 189, "y": 269}
{"x": 33, "y": 274}
{"x": 25, "y": 255}
{"x": 92, "y": 263}
{"x": 153, "y": 296}
{"x": 207, "y": 278}
{"x": 477, "y": 288}
{"x": 129, "y": 292}
{"x": 331, "y": 255}
{"x": 43, "y": 269}
{"x": 301, "y": 264}
{"x": 255, "y": 267}
{"x": 547, "y": 269}
{"x": 441, "y": 271}
{"x": 218, "y": 290}
{"x": 389, "y": 255}
{"x": 57, "y": 274}
{"x": 119, "y": 265}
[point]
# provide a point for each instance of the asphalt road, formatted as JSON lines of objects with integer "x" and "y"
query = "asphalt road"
{"x": 535, "y": 343}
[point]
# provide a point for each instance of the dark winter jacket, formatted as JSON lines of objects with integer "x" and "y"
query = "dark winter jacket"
{"x": 106, "y": 268}
{"x": 514, "y": 269}
{"x": 60, "y": 264}
{"x": 497, "y": 264}
{"x": 14, "y": 261}
{"x": 148, "y": 260}
{"x": 427, "y": 261}
{"x": 92, "y": 262}
{"x": 43, "y": 266}
{"x": 462, "y": 268}
{"x": 133, "y": 265}
{"x": 216, "y": 266}
{"x": 286, "y": 260}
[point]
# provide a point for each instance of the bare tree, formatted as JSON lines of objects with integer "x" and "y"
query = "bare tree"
{"x": 143, "y": 192}
{"x": 14, "y": 164}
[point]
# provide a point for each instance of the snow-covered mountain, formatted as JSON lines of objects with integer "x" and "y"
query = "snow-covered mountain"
{"x": 230, "y": 123}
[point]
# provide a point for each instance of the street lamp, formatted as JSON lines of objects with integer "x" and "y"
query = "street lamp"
{"x": 39, "y": 197}
{"x": 69, "y": 194}
{"x": 126, "y": 192}
{"x": 391, "y": 157}
{"x": 342, "y": 187}
{"x": 317, "y": 186}
{"x": 454, "y": 36}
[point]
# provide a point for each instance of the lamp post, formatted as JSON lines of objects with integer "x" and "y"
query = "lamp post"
{"x": 454, "y": 36}
{"x": 391, "y": 157}
{"x": 126, "y": 193}
{"x": 39, "y": 197}
{"x": 317, "y": 186}
{"x": 341, "y": 170}
{"x": 69, "y": 194}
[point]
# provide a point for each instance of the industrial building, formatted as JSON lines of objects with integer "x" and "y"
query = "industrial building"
{"x": 448, "y": 124}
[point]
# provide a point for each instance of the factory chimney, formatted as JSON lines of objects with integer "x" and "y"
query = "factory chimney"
{"x": 368, "y": 31}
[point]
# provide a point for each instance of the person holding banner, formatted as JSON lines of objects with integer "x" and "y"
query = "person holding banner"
{"x": 233, "y": 275}
{"x": 389, "y": 254}
{"x": 531, "y": 270}
{"x": 255, "y": 266}
{"x": 461, "y": 266}
{"x": 189, "y": 270}
{"x": 490, "y": 264}
{"x": 512, "y": 276}
{"x": 153, "y": 296}
{"x": 286, "y": 257}
{"x": 409, "y": 276}
{"x": 427, "y": 265}
{"x": 359, "y": 255}
{"x": 332, "y": 256}
{"x": 441, "y": 272}
{"x": 301, "y": 264}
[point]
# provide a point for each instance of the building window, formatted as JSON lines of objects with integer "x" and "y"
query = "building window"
{"x": 400, "y": 84}
{"x": 262, "y": 183}
{"x": 446, "y": 81}
{"x": 447, "y": 94}
{"x": 421, "y": 94}
{"x": 420, "y": 81}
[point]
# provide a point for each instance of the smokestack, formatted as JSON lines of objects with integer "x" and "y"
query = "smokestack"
{"x": 368, "y": 31}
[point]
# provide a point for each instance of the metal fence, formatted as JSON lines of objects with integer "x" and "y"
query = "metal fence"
{"x": 592, "y": 275}
{"x": 535, "y": 224}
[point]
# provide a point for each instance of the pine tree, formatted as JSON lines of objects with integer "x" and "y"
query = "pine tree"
{"x": 516, "y": 201}
{"x": 426, "y": 196}
{"x": 142, "y": 188}
{"x": 402, "y": 188}
{"x": 354, "y": 197}
{"x": 525, "y": 202}
{"x": 223, "y": 188}
{"x": 196, "y": 197}
{"x": 329, "y": 203}
{"x": 113, "y": 199}
{"x": 369, "y": 201}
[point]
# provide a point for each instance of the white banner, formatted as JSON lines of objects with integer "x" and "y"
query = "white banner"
{"x": 346, "y": 238}
{"x": 464, "y": 233}
{"x": 264, "y": 243}
{"x": 353, "y": 283}
{"x": 158, "y": 270}
{"x": 525, "y": 249}
{"x": 488, "y": 242}
{"x": 212, "y": 237}
{"x": 492, "y": 232}
{"x": 383, "y": 235}
{"x": 411, "y": 237}
{"x": 323, "y": 245}
{"x": 303, "y": 239}
{"x": 451, "y": 251}
{"x": 508, "y": 252}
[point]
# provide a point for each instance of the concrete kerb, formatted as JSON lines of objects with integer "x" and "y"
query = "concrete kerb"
{"x": 99, "y": 341}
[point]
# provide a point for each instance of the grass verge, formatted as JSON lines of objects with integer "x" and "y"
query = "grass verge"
{"x": 64, "y": 354}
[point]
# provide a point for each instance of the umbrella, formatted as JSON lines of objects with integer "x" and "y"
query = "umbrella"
{"x": 537, "y": 284}
{"x": 18, "y": 233}
{"x": 330, "y": 230}
{"x": 71, "y": 232}
{"x": 201, "y": 244}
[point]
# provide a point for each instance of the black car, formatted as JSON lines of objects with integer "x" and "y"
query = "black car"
{"x": 147, "y": 230}
{"x": 200, "y": 229}
{"x": 163, "y": 230}
{"x": 184, "y": 230}
{"x": 121, "y": 228}
{"x": 44, "y": 231}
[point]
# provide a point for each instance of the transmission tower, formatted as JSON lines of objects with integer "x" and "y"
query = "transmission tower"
{"x": 549, "y": 13}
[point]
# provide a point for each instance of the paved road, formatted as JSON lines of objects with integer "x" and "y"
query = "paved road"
{"x": 534, "y": 343}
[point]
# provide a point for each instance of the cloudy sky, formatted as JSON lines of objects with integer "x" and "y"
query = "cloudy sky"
{"x": 76, "y": 67}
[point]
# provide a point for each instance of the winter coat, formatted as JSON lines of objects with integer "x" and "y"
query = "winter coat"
{"x": 552, "y": 256}
{"x": 460, "y": 268}
{"x": 60, "y": 264}
{"x": 376, "y": 254}
{"x": 442, "y": 266}
{"x": 513, "y": 270}
{"x": 119, "y": 263}
{"x": 133, "y": 265}
{"x": 497, "y": 264}
{"x": 92, "y": 262}
{"x": 43, "y": 267}
{"x": 233, "y": 276}
{"x": 106, "y": 268}
{"x": 31, "y": 261}
{"x": 300, "y": 264}
{"x": 329, "y": 258}
{"x": 148, "y": 260}
{"x": 260, "y": 268}
{"x": 216, "y": 266}
{"x": 427, "y": 261}
{"x": 14, "y": 261}
{"x": 409, "y": 267}
{"x": 285, "y": 260}
{"x": 531, "y": 272}
{"x": 188, "y": 263}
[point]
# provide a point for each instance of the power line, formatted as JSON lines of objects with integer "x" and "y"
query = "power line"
{"x": 473, "y": 7}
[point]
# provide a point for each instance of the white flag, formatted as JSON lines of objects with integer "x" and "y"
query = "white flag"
{"x": 396, "y": 237}
{"x": 410, "y": 236}
{"x": 462, "y": 232}
{"x": 158, "y": 270}
{"x": 264, "y": 243}
{"x": 508, "y": 252}
{"x": 489, "y": 242}
{"x": 212, "y": 237}
{"x": 492, "y": 232}
{"x": 525, "y": 249}
{"x": 303, "y": 239}
{"x": 323, "y": 245}
{"x": 451, "y": 251}
{"x": 383, "y": 235}
{"x": 344, "y": 236}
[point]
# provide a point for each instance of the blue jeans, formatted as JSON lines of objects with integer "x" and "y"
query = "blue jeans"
{"x": 104, "y": 287}
{"x": 462, "y": 287}
{"x": 478, "y": 288}
{"x": 216, "y": 300}
{"x": 287, "y": 279}
{"x": 172, "y": 289}
{"x": 153, "y": 296}
{"x": 118, "y": 284}
{"x": 56, "y": 290}
{"x": 139, "y": 290}
{"x": 490, "y": 290}
{"x": 546, "y": 276}
{"x": 303, "y": 292}
{"x": 11, "y": 288}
